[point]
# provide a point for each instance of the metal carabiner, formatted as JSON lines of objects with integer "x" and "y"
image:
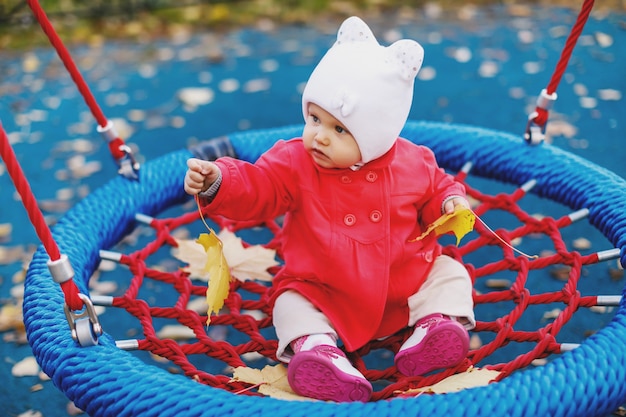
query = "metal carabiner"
{"x": 128, "y": 165}
{"x": 534, "y": 134}
{"x": 84, "y": 325}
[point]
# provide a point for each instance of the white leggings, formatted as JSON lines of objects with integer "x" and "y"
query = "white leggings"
{"x": 447, "y": 290}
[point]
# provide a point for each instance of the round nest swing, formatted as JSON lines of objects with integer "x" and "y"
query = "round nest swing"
{"x": 104, "y": 380}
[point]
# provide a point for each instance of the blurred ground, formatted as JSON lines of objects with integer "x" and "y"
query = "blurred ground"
{"x": 80, "y": 22}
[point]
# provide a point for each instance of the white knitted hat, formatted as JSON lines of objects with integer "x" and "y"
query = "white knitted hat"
{"x": 366, "y": 86}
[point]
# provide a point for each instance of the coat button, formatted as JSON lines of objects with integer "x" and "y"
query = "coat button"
{"x": 346, "y": 179}
{"x": 376, "y": 216}
{"x": 428, "y": 256}
{"x": 349, "y": 219}
{"x": 371, "y": 176}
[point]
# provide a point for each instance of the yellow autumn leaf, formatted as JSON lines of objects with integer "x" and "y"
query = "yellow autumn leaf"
{"x": 219, "y": 274}
{"x": 473, "y": 377}
{"x": 271, "y": 381}
{"x": 460, "y": 222}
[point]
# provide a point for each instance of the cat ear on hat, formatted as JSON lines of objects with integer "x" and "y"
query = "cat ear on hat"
{"x": 354, "y": 30}
{"x": 407, "y": 55}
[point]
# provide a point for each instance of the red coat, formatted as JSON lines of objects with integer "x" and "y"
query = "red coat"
{"x": 346, "y": 233}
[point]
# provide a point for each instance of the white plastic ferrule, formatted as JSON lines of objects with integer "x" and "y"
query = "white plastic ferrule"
{"x": 110, "y": 255}
{"x": 61, "y": 269}
{"x": 102, "y": 300}
{"x": 108, "y": 132}
{"x": 578, "y": 215}
{"x": 528, "y": 185}
{"x": 546, "y": 101}
{"x": 129, "y": 344}
{"x": 609, "y": 254}
{"x": 568, "y": 347}
{"x": 467, "y": 167}
{"x": 609, "y": 300}
{"x": 143, "y": 218}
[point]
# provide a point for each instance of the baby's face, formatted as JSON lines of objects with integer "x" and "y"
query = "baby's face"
{"x": 328, "y": 142}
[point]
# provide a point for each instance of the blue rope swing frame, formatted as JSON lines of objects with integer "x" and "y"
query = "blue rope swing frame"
{"x": 106, "y": 381}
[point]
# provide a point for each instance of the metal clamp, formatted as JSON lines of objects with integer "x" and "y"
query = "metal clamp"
{"x": 84, "y": 325}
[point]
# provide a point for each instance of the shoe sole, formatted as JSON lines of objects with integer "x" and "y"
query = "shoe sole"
{"x": 444, "y": 346}
{"x": 309, "y": 376}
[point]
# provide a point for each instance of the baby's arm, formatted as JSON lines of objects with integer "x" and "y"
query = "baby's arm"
{"x": 200, "y": 175}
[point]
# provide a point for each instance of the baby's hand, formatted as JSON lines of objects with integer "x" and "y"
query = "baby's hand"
{"x": 200, "y": 175}
{"x": 451, "y": 203}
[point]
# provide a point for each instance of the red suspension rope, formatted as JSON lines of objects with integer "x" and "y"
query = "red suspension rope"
{"x": 120, "y": 152}
{"x": 69, "y": 288}
{"x": 65, "y": 56}
{"x": 539, "y": 118}
{"x": 569, "y": 46}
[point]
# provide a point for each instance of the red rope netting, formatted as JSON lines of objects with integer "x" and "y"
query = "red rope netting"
{"x": 246, "y": 317}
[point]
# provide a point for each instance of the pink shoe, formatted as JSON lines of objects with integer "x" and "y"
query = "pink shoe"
{"x": 437, "y": 342}
{"x": 324, "y": 373}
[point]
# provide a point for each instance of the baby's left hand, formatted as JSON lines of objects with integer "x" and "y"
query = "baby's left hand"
{"x": 450, "y": 205}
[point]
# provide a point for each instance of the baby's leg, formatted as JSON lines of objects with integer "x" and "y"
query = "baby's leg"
{"x": 447, "y": 290}
{"x": 441, "y": 311}
{"x": 317, "y": 367}
{"x": 294, "y": 317}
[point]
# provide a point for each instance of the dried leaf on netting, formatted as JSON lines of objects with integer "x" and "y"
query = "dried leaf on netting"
{"x": 460, "y": 222}
{"x": 247, "y": 263}
{"x": 194, "y": 255}
{"x": 271, "y": 381}
{"x": 473, "y": 377}
{"x": 219, "y": 273}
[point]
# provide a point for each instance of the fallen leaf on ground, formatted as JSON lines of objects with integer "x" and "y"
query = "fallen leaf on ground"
{"x": 26, "y": 367}
{"x": 176, "y": 332}
{"x": 11, "y": 318}
{"x": 31, "y": 413}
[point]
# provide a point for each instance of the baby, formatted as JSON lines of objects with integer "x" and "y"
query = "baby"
{"x": 354, "y": 196}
